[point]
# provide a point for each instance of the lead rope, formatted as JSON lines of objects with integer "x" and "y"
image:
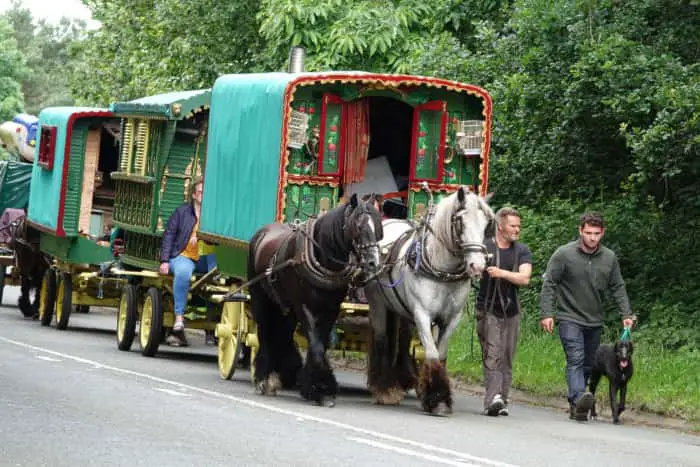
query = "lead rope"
{"x": 626, "y": 335}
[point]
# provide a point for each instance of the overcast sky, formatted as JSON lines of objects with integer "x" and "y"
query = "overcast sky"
{"x": 52, "y": 10}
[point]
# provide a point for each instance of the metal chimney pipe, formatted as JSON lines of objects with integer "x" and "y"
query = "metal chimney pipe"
{"x": 297, "y": 54}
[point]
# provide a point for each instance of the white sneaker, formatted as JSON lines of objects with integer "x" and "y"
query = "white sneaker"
{"x": 179, "y": 326}
{"x": 495, "y": 406}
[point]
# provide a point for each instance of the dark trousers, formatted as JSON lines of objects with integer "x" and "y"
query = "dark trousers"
{"x": 580, "y": 344}
{"x": 498, "y": 337}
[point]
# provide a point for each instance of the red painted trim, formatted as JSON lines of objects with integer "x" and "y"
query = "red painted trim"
{"x": 414, "y": 145}
{"x": 60, "y": 232}
{"x": 341, "y": 142}
{"x": 441, "y": 150}
{"x": 398, "y": 80}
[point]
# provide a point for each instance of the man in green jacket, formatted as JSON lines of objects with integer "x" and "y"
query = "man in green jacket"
{"x": 578, "y": 275}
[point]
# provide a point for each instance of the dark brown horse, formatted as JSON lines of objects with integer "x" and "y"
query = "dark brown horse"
{"x": 31, "y": 264}
{"x": 309, "y": 269}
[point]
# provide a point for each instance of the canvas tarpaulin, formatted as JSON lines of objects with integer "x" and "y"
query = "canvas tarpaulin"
{"x": 15, "y": 178}
{"x": 243, "y": 154}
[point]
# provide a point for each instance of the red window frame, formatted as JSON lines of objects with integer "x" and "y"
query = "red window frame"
{"x": 47, "y": 147}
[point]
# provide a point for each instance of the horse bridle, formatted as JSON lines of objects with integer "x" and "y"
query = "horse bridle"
{"x": 357, "y": 247}
{"x": 457, "y": 229}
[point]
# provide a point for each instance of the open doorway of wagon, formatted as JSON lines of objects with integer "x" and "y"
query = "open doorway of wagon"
{"x": 97, "y": 194}
{"x": 377, "y": 151}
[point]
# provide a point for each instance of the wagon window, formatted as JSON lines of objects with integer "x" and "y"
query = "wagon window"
{"x": 47, "y": 147}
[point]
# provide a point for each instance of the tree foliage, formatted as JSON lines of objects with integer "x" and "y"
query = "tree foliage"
{"x": 12, "y": 71}
{"x": 45, "y": 48}
{"x": 151, "y": 46}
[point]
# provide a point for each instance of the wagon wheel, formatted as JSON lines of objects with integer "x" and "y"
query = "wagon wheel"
{"x": 47, "y": 297}
{"x": 230, "y": 334}
{"x": 64, "y": 301}
{"x": 151, "y": 329}
{"x": 127, "y": 317}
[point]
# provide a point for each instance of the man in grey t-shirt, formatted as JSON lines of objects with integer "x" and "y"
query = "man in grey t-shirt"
{"x": 498, "y": 309}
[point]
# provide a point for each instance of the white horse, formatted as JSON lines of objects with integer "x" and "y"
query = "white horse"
{"x": 426, "y": 281}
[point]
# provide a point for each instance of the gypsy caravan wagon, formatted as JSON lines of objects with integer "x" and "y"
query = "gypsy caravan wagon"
{"x": 70, "y": 202}
{"x": 163, "y": 146}
{"x": 284, "y": 147}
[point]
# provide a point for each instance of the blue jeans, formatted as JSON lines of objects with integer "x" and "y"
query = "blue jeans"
{"x": 182, "y": 268}
{"x": 580, "y": 344}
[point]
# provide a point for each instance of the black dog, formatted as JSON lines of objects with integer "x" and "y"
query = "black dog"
{"x": 615, "y": 362}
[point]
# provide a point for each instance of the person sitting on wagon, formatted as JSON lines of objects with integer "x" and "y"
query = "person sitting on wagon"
{"x": 182, "y": 253}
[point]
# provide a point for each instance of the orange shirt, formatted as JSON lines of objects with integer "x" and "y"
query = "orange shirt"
{"x": 191, "y": 250}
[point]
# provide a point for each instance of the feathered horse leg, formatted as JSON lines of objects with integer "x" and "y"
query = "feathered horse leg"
{"x": 433, "y": 383}
{"x": 381, "y": 378}
{"x": 318, "y": 384}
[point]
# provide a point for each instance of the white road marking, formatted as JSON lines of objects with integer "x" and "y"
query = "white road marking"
{"x": 271, "y": 408}
{"x": 48, "y": 359}
{"x": 172, "y": 392}
{"x": 411, "y": 452}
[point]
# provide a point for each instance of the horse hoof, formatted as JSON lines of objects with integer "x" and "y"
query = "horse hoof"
{"x": 392, "y": 396}
{"x": 328, "y": 401}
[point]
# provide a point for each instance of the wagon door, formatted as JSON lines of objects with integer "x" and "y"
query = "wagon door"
{"x": 427, "y": 151}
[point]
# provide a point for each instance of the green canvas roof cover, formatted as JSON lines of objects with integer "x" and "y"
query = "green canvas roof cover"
{"x": 45, "y": 188}
{"x": 243, "y": 154}
{"x": 164, "y": 105}
{"x": 15, "y": 178}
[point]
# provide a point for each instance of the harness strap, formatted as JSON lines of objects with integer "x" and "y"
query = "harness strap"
{"x": 311, "y": 268}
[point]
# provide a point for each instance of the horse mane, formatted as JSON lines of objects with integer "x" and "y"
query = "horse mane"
{"x": 329, "y": 233}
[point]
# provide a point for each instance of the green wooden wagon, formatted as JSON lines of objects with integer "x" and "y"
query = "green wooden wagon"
{"x": 163, "y": 146}
{"x": 283, "y": 147}
{"x": 70, "y": 203}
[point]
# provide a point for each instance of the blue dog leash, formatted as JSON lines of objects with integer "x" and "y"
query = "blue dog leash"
{"x": 626, "y": 336}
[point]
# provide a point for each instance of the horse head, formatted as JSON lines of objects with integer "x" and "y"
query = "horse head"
{"x": 468, "y": 216}
{"x": 363, "y": 229}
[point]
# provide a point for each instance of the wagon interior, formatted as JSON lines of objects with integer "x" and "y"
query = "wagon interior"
{"x": 98, "y": 189}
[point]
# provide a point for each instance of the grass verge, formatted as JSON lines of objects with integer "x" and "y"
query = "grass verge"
{"x": 665, "y": 382}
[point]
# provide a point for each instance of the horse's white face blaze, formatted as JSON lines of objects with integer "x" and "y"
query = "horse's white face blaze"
{"x": 370, "y": 259}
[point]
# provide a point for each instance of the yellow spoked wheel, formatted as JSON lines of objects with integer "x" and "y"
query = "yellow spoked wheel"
{"x": 151, "y": 329}
{"x": 127, "y": 317}
{"x": 47, "y": 297}
{"x": 64, "y": 301}
{"x": 230, "y": 334}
